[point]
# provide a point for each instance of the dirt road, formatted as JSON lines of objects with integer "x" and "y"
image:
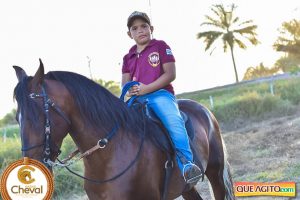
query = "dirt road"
{"x": 267, "y": 151}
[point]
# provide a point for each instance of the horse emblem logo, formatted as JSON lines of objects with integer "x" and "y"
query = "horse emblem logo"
{"x": 153, "y": 59}
{"x": 24, "y": 175}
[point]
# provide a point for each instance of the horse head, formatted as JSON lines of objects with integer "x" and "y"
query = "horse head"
{"x": 41, "y": 105}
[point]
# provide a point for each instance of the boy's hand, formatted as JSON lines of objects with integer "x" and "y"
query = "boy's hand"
{"x": 142, "y": 89}
{"x": 137, "y": 90}
{"x": 134, "y": 90}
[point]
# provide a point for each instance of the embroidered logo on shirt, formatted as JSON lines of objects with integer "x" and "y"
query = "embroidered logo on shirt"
{"x": 153, "y": 59}
{"x": 169, "y": 52}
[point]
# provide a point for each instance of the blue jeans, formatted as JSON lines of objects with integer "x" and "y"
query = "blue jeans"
{"x": 164, "y": 104}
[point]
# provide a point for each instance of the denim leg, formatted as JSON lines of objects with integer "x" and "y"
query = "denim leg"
{"x": 165, "y": 107}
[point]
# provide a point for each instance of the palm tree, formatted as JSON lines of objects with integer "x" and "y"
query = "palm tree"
{"x": 230, "y": 29}
{"x": 289, "y": 39}
{"x": 289, "y": 42}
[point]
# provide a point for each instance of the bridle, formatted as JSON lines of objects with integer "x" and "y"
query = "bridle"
{"x": 47, "y": 103}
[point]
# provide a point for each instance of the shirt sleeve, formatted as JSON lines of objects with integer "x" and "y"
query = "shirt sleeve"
{"x": 125, "y": 67}
{"x": 165, "y": 53}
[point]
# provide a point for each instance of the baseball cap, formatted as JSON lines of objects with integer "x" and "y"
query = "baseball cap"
{"x": 136, "y": 15}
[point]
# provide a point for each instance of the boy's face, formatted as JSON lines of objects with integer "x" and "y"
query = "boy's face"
{"x": 140, "y": 31}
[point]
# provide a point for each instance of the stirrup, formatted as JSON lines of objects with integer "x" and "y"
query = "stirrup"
{"x": 191, "y": 173}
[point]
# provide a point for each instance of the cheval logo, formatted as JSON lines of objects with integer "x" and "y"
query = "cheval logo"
{"x": 153, "y": 59}
{"x": 26, "y": 179}
{"x": 24, "y": 175}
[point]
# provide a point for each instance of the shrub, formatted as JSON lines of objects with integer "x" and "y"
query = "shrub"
{"x": 251, "y": 105}
{"x": 291, "y": 92}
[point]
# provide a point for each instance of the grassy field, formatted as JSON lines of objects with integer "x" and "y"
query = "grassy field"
{"x": 260, "y": 129}
{"x": 236, "y": 105}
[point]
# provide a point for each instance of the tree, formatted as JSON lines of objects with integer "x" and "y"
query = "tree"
{"x": 229, "y": 28}
{"x": 112, "y": 86}
{"x": 259, "y": 71}
{"x": 289, "y": 42}
{"x": 289, "y": 39}
{"x": 9, "y": 119}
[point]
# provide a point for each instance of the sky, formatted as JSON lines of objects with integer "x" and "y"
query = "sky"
{"x": 66, "y": 34}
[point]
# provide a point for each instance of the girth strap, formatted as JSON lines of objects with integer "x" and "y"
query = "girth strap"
{"x": 168, "y": 167}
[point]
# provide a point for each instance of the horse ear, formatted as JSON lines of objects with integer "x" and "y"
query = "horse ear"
{"x": 20, "y": 73}
{"x": 39, "y": 75}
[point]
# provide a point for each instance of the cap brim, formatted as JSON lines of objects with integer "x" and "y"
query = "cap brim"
{"x": 130, "y": 21}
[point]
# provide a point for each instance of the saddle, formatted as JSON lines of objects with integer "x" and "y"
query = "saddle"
{"x": 188, "y": 124}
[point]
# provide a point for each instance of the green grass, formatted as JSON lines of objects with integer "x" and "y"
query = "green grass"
{"x": 294, "y": 171}
{"x": 10, "y": 131}
{"x": 250, "y": 101}
{"x": 10, "y": 151}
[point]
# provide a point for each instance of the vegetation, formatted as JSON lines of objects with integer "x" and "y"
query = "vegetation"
{"x": 250, "y": 101}
{"x": 289, "y": 39}
{"x": 227, "y": 26}
{"x": 112, "y": 86}
{"x": 259, "y": 71}
{"x": 9, "y": 119}
{"x": 289, "y": 42}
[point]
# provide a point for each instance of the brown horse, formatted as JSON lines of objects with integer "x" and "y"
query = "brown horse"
{"x": 126, "y": 158}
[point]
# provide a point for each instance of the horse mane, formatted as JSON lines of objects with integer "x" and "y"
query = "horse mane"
{"x": 98, "y": 107}
{"x": 96, "y": 104}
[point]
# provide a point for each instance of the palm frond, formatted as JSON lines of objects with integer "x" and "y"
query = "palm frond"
{"x": 253, "y": 40}
{"x": 217, "y": 12}
{"x": 235, "y": 20}
{"x": 225, "y": 45}
{"x": 209, "y": 37}
{"x": 247, "y": 30}
{"x": 208, "y": 34}
{"x": 245, "y": 22}
{"x": 213, "y": 22}
{"x": 240, "y": 43}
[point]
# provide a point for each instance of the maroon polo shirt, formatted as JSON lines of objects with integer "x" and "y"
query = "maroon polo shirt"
{"x": 146, "y": 66}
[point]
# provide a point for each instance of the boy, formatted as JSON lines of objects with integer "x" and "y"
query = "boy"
{"x": 152, "y": 64}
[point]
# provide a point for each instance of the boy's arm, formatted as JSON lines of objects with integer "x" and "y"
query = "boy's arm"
{"x": 125, "y": 78}
{"x": 166, "y": 78}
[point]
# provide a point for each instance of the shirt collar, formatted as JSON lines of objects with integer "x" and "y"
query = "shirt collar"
{"x": 132, "y": 51}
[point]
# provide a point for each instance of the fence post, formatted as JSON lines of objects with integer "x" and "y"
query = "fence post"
{"x": 211, "y": 100}
{"x": 272, "y": 86}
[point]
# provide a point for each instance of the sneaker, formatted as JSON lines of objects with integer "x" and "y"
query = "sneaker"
{"x": 191, "y": 173}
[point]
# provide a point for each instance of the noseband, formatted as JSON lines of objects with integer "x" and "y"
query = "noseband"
{"x": 47, "y": 103}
